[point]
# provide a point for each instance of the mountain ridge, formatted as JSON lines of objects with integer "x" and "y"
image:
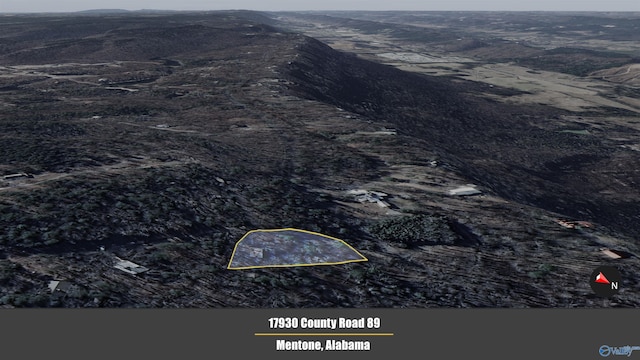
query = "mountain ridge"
{"x": 167, "y": 156}
{"x": 445, "y": 111}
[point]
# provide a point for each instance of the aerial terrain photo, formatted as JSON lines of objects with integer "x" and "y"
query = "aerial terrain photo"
{"x": 318, "y": 159}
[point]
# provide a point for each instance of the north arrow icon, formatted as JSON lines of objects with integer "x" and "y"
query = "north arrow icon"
{"x": 601, "y": 279}
{"x": 605, "y": 285}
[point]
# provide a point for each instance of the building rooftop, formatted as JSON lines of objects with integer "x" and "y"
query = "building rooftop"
{"x": 59, "y": 285}
{"x": 465, "y": 191}
{"x": 130, "y": 267}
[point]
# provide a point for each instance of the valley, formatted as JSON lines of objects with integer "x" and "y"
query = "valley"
{"x": 164, "y": 138}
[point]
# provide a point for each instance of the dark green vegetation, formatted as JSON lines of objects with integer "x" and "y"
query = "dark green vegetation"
{"x": 415, "y": 230}
{"x": 164, "y": 138}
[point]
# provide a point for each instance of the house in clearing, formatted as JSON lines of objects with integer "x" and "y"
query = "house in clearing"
{"x": 364, "y": 196}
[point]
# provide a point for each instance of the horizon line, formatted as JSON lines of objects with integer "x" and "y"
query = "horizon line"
{"x": 306, "y": 10}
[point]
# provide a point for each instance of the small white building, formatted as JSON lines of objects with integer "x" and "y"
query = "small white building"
{"x": 17, "y": 176}
{"x": 465, "y": 191}
{"x": 129, "y": 267}
{"x": 59, "y": 286}
{"x": 364, "y": 196}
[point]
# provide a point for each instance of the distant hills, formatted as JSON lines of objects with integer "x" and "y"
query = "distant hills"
{"x": 102, "y": 11}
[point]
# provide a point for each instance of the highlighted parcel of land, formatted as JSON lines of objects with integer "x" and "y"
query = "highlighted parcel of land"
{"x": 290, "y": 247}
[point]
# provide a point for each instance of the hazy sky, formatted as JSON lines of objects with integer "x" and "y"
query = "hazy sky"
{"x": 550, "y": 5}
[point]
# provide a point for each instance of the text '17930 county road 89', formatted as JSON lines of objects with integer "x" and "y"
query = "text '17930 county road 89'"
{"x": 326, "y": 323}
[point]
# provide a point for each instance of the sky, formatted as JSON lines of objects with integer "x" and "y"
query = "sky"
{"x": 296, "y": 5}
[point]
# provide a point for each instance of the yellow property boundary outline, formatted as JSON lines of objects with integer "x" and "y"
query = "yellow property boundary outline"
{"x": 292, "y": 265}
